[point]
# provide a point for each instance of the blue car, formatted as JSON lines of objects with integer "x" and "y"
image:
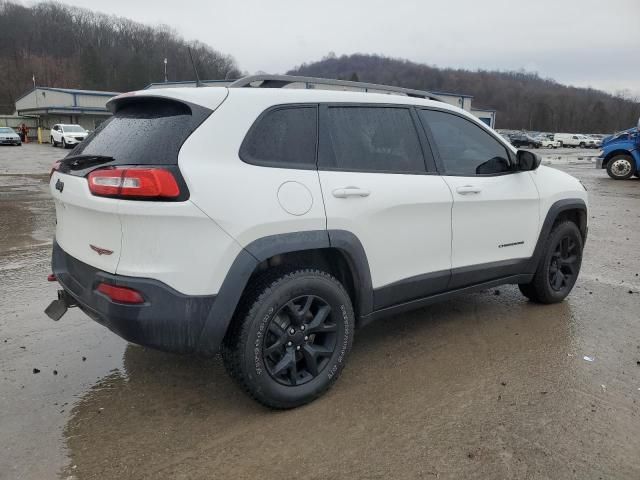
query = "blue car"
{"x": 621, "y": 154}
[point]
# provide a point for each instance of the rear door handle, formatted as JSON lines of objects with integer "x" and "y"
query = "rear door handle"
{"x": 468, "y": 189}
{"x": 346, "y": 192}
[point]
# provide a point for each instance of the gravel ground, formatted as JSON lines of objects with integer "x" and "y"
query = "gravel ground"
{"x": 484, "y": 386}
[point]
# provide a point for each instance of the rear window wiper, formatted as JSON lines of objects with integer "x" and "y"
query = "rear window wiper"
{"x": 79, "y": 162}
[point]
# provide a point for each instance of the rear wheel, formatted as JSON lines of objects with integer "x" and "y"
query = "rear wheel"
{"x": 290, "y": 338}
{"x": 559, "y": 266}
{"x": 621, "y": 167}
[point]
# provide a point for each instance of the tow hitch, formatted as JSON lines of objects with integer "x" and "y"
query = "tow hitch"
{"x": 58, "y": 308}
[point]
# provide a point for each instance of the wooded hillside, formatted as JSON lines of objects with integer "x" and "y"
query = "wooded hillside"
{"x": 76, "y": 48}
{"x": 522, "y": 100}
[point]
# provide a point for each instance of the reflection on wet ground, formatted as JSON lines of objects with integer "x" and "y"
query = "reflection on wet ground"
{"x": 27, "y": 212}
{"x": 485, "y": 386}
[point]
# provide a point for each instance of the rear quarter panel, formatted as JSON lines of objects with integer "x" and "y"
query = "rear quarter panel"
{"x": 242, "y": 198}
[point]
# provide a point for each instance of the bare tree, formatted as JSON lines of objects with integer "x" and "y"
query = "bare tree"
{"x": 73, "y": 47}
{"x": 522, "y": 99}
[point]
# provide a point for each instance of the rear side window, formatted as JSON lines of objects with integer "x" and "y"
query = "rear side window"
{"x": 284, "y": 137}
{"x": 464, "y": 147}
{"x": 144, "y": 132}
{"x": 371, "y": 139}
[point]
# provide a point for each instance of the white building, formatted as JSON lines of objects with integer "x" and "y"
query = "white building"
{"x": 64, "y": 105}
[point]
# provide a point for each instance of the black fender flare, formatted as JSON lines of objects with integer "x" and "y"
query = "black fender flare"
{"x": 552, "y": 214}
{"x": 234, "y": 284}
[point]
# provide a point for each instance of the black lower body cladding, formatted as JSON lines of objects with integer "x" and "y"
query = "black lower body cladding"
{"x": 168, "y": 320}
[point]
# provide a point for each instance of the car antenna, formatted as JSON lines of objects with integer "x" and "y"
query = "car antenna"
{"x": 195, "y": 70}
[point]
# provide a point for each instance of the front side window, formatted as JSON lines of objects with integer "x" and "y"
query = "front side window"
{"x": 465, "y": 148}
{"x": 371, "y": 139}
{"x": 284, "y": 137}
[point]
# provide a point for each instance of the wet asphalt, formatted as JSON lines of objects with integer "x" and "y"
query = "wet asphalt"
{"x": 484, "y": 386}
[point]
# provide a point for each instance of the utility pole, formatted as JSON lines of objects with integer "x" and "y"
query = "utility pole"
{"x": 165, "y": 70}
{"x": 33, "y": 78}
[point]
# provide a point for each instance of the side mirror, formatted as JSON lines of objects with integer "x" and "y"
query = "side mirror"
{"x": 527, "y": 161}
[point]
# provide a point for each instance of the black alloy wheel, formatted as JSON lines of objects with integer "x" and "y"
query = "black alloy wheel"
{"x": 290, "y": 336}
{"x": 559, "y": 266}
{"x": 564, "y": 264}
{"x": 300, "y": 340}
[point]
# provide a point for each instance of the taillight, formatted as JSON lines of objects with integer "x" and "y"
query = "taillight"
{"x": 133, "y": 183}
{"x": 120, "y": 294}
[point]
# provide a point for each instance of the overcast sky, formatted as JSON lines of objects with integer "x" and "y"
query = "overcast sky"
{"x": 577, "y": 42}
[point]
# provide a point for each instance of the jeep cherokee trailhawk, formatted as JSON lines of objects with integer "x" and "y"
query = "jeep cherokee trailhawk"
{"x": 268, "y": 223}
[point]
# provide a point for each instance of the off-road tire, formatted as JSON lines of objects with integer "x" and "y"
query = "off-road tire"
{"x": 615, "y": 172}
{"x": 244, "y": 346}
{"x": 540, "y": 290}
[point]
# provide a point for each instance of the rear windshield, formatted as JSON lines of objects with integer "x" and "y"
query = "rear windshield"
{"x": 147, "y": 131}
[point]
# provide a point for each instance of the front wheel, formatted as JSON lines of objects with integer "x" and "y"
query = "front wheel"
{"x": 621, "y": 167}
{"x": 64, "y": 143}
{"x": 559, "y": 266}
{"x": 290, "y": 338}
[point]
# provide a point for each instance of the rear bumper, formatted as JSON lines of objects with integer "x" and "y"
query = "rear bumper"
{"x": 168, "y": 320}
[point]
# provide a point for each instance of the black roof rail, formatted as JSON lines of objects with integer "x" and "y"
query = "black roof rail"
{"x": 280, "y": 81}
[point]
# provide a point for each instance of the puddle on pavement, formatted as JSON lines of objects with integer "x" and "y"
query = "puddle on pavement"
{"x": 161, "y": 403}
{"x": 27, "y": 214}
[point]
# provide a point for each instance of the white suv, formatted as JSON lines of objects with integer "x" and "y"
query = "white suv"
{"x": 269, "y": 222}
{"x": 67, "y": 135}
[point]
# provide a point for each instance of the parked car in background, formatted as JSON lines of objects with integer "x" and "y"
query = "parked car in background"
{"x": 8, "y": 136}
{"x": 546, "y": 142}
{"x": 597, "y": 141}
{"x": 621, "y": 154}
{"x": 524, "y": 140}
{"x": 568, "y": 139}
{"x": 586, "y": 141}
{"x": 67, "y": 135}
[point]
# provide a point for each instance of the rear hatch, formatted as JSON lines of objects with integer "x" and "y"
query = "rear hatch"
{"x": 145, "y": 134}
